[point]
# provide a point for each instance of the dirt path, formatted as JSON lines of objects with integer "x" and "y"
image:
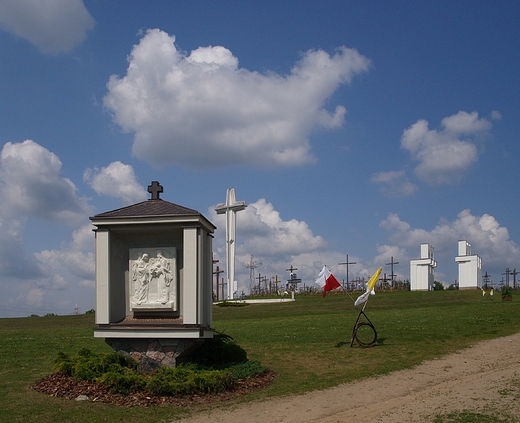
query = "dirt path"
{"x": 483, "y": 379}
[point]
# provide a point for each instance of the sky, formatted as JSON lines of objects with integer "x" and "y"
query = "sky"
{"x": 349, "y": 128}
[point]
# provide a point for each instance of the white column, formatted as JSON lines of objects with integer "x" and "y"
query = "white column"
{"x": 102, "y": 277}
{"x": 207, "y": 279}
{"x": 190, "y": 277}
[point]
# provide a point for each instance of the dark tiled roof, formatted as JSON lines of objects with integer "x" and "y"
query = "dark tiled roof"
{"x": 147, "y": 208}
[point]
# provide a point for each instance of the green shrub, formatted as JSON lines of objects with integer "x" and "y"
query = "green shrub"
{"x": 88, "y": 365}
{"x": 507, "y": 291}
{"x": 232, "y": 304}
{"x": 185, "y": 380}
{"x": 168, "y": 381}
{"x": 247, "y": 369}
{"x": 437, "y": 286}
{"x": 219, "y": 352}
{"x": 122, "y": 383}
{"x": 214, "y": 381}
{"x": 120, "y": 373}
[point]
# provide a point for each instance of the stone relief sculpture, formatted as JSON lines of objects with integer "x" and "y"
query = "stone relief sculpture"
{"x": 160, "y": 271}
{"x": 153, "y": 279}
{"x": 141, "y": 279}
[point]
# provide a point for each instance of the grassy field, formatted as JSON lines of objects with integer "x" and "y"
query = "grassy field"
{"x": 306, "y": 342}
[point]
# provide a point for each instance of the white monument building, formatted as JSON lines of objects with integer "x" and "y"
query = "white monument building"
{"x": 422, "y": 270}
{"x": 153, "y": 279}
{"x": 470, "y": 267}
{"x": 230, "y": 208}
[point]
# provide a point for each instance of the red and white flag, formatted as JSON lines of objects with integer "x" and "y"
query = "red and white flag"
{"x": 327, "y": 281}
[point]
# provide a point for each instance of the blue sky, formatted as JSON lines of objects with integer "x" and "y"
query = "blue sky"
{"x": 359, "y": 128}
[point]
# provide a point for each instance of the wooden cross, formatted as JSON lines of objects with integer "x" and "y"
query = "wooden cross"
{"x": 392, "y": 276}
{"x": 155, "y": 189}
{"x": 347, "y": 263}
{"x": 217, "y": 273}
{"x": 291, "y": 269}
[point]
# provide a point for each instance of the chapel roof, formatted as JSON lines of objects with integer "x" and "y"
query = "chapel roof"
{"x": 149, "y": 208}
{"x": 154, "y": 207}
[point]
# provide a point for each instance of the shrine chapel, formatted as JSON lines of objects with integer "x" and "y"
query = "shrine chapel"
{"x": 153, "y": 278}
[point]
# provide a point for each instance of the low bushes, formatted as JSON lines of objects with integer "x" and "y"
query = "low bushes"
{"x": 216, "y": 367}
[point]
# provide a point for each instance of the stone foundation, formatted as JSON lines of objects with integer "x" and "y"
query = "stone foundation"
{"x": 154, "y": 353}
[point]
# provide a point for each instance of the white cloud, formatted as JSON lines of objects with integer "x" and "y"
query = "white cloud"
{"x": 445, "y": 155}
{"x": 67, "y": 277}
{"x": 53, "y": 26}
{"x": 496, "y": 115}
{"x": 13, "y": 260}
{"x": 117, "y": 180}
{"x": 487, "y": 237}
{"x": 279, "y": 244}
{"x": 202, "y": 110}
{"x": 399, "y": 255}
{"x": 34, "y": 298}
{"x": 265, "y": 234}
{"x": 77, "y": 257}
{"x": 32, "y": 186}
{"x": 58, "y": 282}
{"x": 394, "y": 184}
{"x": 275, "y": 242}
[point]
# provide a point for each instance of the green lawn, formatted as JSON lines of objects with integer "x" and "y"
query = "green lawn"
{"x": 306, "y": 342}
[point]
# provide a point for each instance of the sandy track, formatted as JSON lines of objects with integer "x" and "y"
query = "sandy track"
{"x": 483, "y": 379}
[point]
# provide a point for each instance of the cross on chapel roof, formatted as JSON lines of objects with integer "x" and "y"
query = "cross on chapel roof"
{"x": 155, "y": 189}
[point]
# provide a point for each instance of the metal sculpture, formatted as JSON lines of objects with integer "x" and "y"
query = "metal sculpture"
{"x": 364, "y": 338}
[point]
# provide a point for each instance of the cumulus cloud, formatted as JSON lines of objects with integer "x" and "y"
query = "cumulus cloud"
{"x": 496, "y": 115}
{"x": 13, "y": 260}
{"x": 116, "y": 180}
{"x": 35, "y": 298}
{"x": 399, "y": 255}
{"x": 202, "y": 109}
{"x": 488, "y": 238}
{"x": 66, "y": 277}
{"x": 263, "y": 234}
{"x": 394, "y": 184}
{"x": 76, "y": 258}
{"x": 32, "y": 186}
{"x": 446, "y": 154}
{"x": 53, "y": 26}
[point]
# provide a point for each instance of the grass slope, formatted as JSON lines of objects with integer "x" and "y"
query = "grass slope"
{"x": 306, "y": 342}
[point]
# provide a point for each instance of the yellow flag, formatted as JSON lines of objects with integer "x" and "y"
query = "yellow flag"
{"x": 363, "y": 298}
{"x": 372, "y": 281}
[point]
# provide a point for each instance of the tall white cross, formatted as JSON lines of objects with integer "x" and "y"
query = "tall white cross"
{"x": 231, "y": 208}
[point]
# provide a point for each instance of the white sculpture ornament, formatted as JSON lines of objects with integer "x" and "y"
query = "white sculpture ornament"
{"x": 153, "y": 280}
{"x": 161, "y": 273}
{"x": 141, "y": 279}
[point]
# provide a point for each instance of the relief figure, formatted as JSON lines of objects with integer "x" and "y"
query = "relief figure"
{"x": 141, "y": 279}
{"x": 160, "y": 272}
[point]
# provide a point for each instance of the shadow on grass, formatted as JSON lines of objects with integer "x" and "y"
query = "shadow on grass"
{"x": 379, "y": 343}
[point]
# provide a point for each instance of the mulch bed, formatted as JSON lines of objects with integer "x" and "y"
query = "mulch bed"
{"x": 61, "y": 385}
